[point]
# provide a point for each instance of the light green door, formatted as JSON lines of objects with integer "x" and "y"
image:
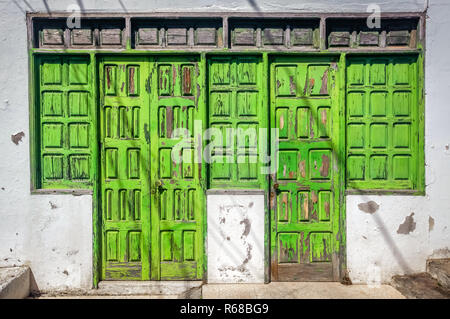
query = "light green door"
{"x": 304, "y": 190}
{"x": 152, "y": 208}
{"x": 177, "y": 200}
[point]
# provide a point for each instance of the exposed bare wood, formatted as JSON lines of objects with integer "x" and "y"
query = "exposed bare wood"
{"x": 52, "y": 37}
{"x": 305, "y": 272}
{"x": 244, "y": 36}
{"x": 111, "y": 37}
{"x": 127, "y": 32}
{"x": 369, "y": 38}
{"x": 147, "y": 36}
{"x": 176, "y": 36}
{"x": 398, "y": 38}
{"x": 205, "y": 36}
{"x": 82, "y": 37}
{"x": 323, "y": 33}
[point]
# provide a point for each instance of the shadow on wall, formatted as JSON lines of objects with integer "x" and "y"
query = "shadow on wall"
{"x": 34, "y": 289}
{"x": 371, "y": 207}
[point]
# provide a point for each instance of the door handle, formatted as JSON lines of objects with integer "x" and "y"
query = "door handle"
{"x": 276, "y": 187}
{"x": 157, "y": 187}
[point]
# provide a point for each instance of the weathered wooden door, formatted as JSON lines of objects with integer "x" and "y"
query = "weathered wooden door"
{"x": 178, "y": 202}
{"x": 152, "y": 208}
{"x": 125, "y": 188}
{"x": 304, "y": 190}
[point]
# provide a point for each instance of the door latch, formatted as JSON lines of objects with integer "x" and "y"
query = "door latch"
{"x": 157, "y": 187}
{"x": 276, "y": 186}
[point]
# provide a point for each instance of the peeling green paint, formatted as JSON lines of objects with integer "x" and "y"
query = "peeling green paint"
{"x": 311, "y": 170}
{"x": 305, "y": 189}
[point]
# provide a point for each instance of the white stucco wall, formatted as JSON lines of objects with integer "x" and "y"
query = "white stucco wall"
{"x": 215, "y": 5}
{"x": 235, "y": 239}
{"x": 57, "y": 243}
{"x": 373, "y": 244}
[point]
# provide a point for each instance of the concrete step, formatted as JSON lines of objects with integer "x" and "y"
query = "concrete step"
{"x": 299, "y": 290}
{"x": 131, "y": 289}
{"x": 419, "y": 286}
{"x": 73, "y": 296}
{"x": 439, "y": 269}
{"x": 181, "y": 289}
{"x": 14, "y": 282}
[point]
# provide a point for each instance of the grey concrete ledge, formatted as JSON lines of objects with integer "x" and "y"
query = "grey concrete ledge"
{"x": 147, "y": 287}
{"x": 299, "y": 290}
{"x": 74, "y": 192}
{"x": 14, "y": 282}
{"x": 235, "y": 192}
{"x": 165, "y": 289}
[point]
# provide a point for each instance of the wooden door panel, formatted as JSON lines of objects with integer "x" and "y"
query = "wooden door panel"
{"x": 124, "y": 169}
{"x": 177, "y": 192}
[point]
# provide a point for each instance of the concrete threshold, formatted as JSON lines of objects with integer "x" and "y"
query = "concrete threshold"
{"x": 14, "y": 282}
{"x": 195, "y": 290}
{"x": 299, "y": 290}
{"x": 132, "y": 290}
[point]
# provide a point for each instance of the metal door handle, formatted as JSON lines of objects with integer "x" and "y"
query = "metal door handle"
{"x": 158, "y": 186}
{"x": 276, "y": 187}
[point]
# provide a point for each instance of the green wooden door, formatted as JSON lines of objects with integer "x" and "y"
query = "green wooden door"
{"x": 178, "y": 202}
{"x": 125, "y": 189}
{"x": 152, "y": 209}
{"x": 304, "y": 190}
